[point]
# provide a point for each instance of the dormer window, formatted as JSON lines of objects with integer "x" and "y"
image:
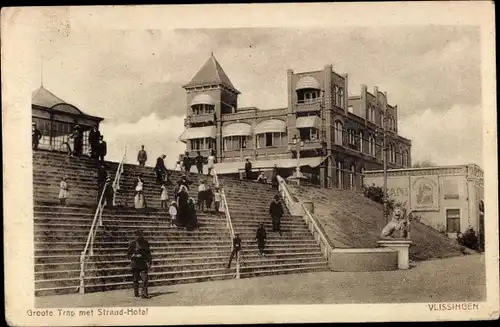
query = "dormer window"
{"x": 307, "y": 89}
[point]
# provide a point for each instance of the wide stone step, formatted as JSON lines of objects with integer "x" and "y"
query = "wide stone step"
{"x": 271, "y": 272}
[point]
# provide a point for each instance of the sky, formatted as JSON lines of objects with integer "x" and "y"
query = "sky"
{"x": 133, "y": 78}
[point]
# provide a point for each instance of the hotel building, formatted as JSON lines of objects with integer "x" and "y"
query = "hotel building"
{"x": 335, "y": 136}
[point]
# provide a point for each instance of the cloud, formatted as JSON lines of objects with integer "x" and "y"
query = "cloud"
{"x": 451, "y": 137}
{"x": 159, "y": 136}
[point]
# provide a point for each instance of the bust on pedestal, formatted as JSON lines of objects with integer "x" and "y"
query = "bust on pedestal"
{"x": 399, "y": 222}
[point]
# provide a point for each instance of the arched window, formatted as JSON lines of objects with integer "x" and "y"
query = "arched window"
{"x": 405, "y": 158}
{"x": 352, "y": 136}
{"x": 371, "y": 145}
{"x": 339, "y": 132}
{"x": 371, "y": 114}
{"x": 341, "y": 97}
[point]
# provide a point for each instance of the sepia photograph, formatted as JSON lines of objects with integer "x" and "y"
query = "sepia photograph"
{"x": 180, "y": 167}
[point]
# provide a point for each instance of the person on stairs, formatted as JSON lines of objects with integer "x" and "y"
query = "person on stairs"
{"x": 186, "y": 163}
{"x": 274, "y": 178}
{"x": 183, "y": 212}
{"x": 77, "y": 141}
{"x": 63, "y": 191}
{"x": 142, "y": 156}
{"x": 248, "y": 169}
{"x": 199, "y": 161}
{"x": 276, "y": 212}
{"x": 202, "y": 188}
{"x": 210, "y": 162}
{"x": 36, "y": 135}
{"x": 260, "y": 237}
{"x": 109, "y": 193}
{"x": 160, "y": 169}
{"x": 217, "y": 200}
{"x": 192, "y": 219}
{"x": 102, "y": 149}
{"x": 173, "y": 210}
{"x": 141, "y": 260}
{"x": 93, "y": 139}
{"x": 163, "y": 195}
{"x": 139, "y": 199}
{"x": 236, "y": 249}
{"x": 262, "y": 178}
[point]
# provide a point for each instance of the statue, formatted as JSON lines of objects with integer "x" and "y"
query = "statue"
{"x": 400, "y": 221}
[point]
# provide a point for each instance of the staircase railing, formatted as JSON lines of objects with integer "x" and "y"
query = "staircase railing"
{"x": 119, "y": 172}
{"x": 89, "y": 245}
{"x": 229, "y": 223}
{"x": 310, "y": 220}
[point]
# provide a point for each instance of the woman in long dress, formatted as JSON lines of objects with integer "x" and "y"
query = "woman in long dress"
{"x": 63, "y": 191}
{"x": 139, "y": 200}
{"x": 192, "y": 219}
{"x": 183, "y": 196}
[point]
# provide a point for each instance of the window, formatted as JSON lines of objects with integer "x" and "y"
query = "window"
{"x": 308, "y": 134}
{"x": 405, "y": 158}
{"x": 341, "y": 98}
{"x": 371, "y": 114}
{"x": 371, "y": 145}
{"x": 336, "y": 95}
{"x": 350, "y": 109}
{"x": 453, "y": 220}
{"x": 271, "y": 140}
{"x": 232, "y": 143}
{"x": 338, "y": 132}
{"x": 200, "y": 109}
{"x": 202, "y": 144}
{"x": 307, "y": 96}
{"x": 352, "y": 136}
{"x": 361, "y": 141}
{"x": 351, "y": 177}
{"x": 340, "y": 173}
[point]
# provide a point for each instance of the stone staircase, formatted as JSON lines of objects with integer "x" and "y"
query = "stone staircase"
{"x": 179, "y": 256}
{"x": 295, "y": 251}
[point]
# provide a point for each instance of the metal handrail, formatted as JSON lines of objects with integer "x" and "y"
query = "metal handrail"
{"x": 119, "y": 172}
{"x": 308, "y": 217}
{"x": 229, "y": 223}
{"x": 89, "y": 245}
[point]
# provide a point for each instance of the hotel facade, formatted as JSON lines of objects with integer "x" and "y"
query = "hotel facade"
{"x": 336, "y": 137}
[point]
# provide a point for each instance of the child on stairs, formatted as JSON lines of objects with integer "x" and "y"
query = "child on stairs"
{"x": 164, "y": 195}
{"x": 173, "y": 210}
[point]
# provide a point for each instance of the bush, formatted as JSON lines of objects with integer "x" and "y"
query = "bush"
{"x": 469, "y": 239}
{"x": 376, "y": 193}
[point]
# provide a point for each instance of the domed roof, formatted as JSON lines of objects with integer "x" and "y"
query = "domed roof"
{"x": 307, "y": 82}
{"x": 203, "y": 99}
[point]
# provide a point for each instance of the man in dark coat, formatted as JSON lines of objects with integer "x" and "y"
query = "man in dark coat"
{"x": 102, "y": 149}
{"x": 199, "y": 161}
{"x": 140, "y": 257}
{"x": 78, "y": 141}
{"x": 109, "y": 193}
{"x": 142, "y": 156}
{"x": 186, "y": 162}
{"x": 36, "y": 135}
{"x": 260, "y": 237}
{"x": 248, "y": 169}
{"x": 94, "y": 137}
{"x": 274, "y": 178}
{"x": 160, "y": 169}
{"x": 236, "y": 249}
{"x": 276, "y": 212}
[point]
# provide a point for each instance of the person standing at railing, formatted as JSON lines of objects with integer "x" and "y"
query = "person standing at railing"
{"x": 276, "y": 212}
{"x": 217, "y": 200}
{"x": 274, "y": 178}
{"x": 93, "y": 139}
{"x": 210, "y": 162}
{"x": 142, "y": 156}
{"x": 63, "y": 191}
{"x": 141, "y": 259}
{"x": 78, "y": 141}
{"x": 236, "y": 249}
{"x": 260, "y": 237}
{"x": 36, "y": 135}
{"x": 102, "y": 149}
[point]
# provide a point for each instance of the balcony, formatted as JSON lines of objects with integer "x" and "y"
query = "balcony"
{"x": 201, "y": 118}
{"x": 308, "y": 105}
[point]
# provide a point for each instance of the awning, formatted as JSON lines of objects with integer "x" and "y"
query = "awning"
{"x": 271, "y": 126}
{"x": 198, "y": 133}
{"x": 308, "y": 122}
{"x": 307, "y": 82}
{"x": 234, "y": 167}
{"x": 237, "y": 129}
{"x": 202, "y": 99}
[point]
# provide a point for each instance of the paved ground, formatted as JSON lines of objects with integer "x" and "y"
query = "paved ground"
{"x": 453, "y": 279}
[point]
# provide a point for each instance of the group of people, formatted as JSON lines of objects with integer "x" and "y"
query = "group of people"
{"x": 98, "y": 147}
{"x": 262, "y": 178}
{"x": 207, "y": 196}
{"x": 199, "y": 161}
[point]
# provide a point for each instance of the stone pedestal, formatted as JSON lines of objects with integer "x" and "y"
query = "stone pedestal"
{"x": 402, "y": 246}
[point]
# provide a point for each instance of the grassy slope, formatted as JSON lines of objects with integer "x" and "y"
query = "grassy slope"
{"x": 351, "y": 220}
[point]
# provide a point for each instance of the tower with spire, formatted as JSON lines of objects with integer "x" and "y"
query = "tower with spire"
{"x": 210, "y": 94}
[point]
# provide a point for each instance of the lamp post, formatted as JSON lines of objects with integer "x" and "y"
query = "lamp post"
{"x": 298, "y": 145}
{"x": 384, "y": 160}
